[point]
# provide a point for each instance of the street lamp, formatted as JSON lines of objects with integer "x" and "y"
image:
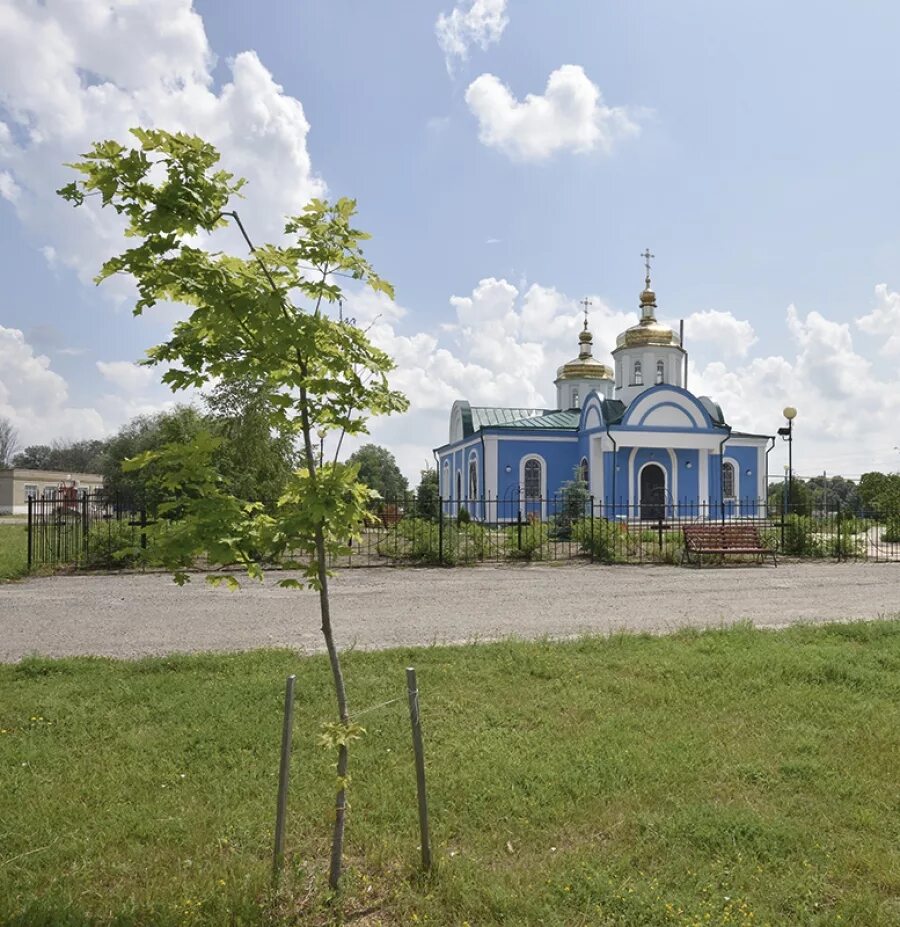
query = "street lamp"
{"x": 787, "y": 434}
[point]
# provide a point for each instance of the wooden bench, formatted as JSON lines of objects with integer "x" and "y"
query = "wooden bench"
{"x": 724, "y": 540}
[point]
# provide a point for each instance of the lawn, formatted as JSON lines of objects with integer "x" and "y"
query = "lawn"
{"x": 735, "y": 777}
{"x": 13, "y": 551}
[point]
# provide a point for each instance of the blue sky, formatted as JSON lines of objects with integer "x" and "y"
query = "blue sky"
{"x": 753, "y": 147}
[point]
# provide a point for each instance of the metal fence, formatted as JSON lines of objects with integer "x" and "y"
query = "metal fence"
{"x": 98, "y": 531}
{"x": 92, "y": 530}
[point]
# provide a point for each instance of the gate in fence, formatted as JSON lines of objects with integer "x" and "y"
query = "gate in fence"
{"x": 87, "y": 530}
{"x": 100, "y": 531}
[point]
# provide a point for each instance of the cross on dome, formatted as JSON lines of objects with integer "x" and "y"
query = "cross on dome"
{"x": 587, "y": 304}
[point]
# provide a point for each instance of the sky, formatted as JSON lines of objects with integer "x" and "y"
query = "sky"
{"x": 510, "y": 158}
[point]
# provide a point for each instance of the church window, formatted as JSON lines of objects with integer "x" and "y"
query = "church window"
{"x": 638, "y": 378}
{"x": 583, "y": 471}
{"x": 532, "y": 479}
{"x": 728, "y": 480}
{"x": 660, "y": 372}
{"x": 574, "y": 399}
{"x": 473, "y": 478}
{"x": 445, "y": 489}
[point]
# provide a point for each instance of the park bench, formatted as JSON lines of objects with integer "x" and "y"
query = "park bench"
{"x": 724, "y": 540}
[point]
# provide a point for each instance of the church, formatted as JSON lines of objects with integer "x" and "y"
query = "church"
{"x": 646, "y": 446}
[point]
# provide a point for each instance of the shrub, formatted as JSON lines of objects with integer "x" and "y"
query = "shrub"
{"x": 891, "y": 533}
{"x": 463, "y": 518}
{"x": 800, "y": 539}
{"x": 115, "y": 545}
{"x": 596, "y": 536}
{"x": 419, "y": 541}
{"x": 529, "y": 541}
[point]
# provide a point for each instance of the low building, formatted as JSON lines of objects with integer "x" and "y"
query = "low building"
{"x": 18, "y": 484}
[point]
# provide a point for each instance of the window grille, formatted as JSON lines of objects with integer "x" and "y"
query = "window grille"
{"x": 532, "y": 479}
{"x": 728, "y": 480}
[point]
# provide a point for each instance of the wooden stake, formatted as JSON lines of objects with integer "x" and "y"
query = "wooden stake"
{"x": 413, "y": 692}
{"x": 283, "y": 775}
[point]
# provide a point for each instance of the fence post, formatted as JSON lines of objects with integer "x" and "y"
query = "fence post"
{"x": 441, "y": 530}
{"x": 283, "y": 775}
{"x": 30, "y": 532}
{"x": 412, "y": 691}
{"x": 519, "y": 523}
{"x": 840, "y": 548}
{"x": 592, "y": 529}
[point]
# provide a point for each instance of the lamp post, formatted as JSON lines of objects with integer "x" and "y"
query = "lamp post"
{"x": 787, "y": 434}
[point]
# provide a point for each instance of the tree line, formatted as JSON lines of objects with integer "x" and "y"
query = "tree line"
{"x": 254, "y": 461}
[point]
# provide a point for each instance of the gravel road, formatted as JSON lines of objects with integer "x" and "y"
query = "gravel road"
{"x": 138, "y": 615}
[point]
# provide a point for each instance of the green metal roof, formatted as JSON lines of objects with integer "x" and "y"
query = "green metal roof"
{"x": 492, "y": 416}
{"x": 613, "y": 410}
{"x": 568, "y": 419}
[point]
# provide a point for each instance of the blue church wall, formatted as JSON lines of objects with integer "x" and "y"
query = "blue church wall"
{"x": 688, "y": 476}
{"x": 747, "y": 479}
{"x": 557, "y": 465}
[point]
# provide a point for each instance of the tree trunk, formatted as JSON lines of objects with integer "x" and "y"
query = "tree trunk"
{"x": 340, "y": 806}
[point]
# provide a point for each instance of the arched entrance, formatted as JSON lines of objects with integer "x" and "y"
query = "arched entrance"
{"x": 653, "y": 493}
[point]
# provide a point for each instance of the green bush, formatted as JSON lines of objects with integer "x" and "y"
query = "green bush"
{"x": 528, "y": 541}
{"x": 800, "y": 538}
{"x": 116, "y": 545}
{"x": 891, "y": 533}
{"x": 463, "y": 518}
{"x": 419, "y": 541}
{"x": 596, "y": 536}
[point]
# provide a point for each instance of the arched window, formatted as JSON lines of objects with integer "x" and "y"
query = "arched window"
{"x": 728, "y": 480}
{"x": 575, "y": 402}
{"x": 583, "y": 471}
{"x": 660, "y": 372}
{"x": 533, "y": 479}
{"x": 445, "y": 484}
{"x": 638, "y": 378}
{"x": 473, "y": 478}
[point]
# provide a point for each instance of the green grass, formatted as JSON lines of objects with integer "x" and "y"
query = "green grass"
{"x": 13, "y": 551}
{"x": 734, "y": 777}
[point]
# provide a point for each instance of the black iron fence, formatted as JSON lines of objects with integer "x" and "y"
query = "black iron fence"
{"x": 101, "y": 531}
{"x": 91, "y": 530}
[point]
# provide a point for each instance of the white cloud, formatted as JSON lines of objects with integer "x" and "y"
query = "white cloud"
{"x": 36, "y": 399}
{"x": 884, "y": 319}
{"x": 127, "y": 377}
{"x": 569, "y": 115}
{"x": 720, "y": 331}
{"x": 480, "y": 22}
{"x": 69, "y": 75}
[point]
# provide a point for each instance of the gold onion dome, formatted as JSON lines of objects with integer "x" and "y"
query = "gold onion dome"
{"x": 585, "y": 366}
{"x": 648, "y": 330}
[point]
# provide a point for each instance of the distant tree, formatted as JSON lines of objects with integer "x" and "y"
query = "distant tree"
{"x": 833, "y": 492}
{"x": 801, "y": 498}
{"x": 9, "y": 442}
{"x": 34, "y": 457}
{"x": 180, "y": 425}
{"x": 428, "y": 494}
{"x": 879, "y": 492}
{"x": 254, "y": 460}
{"x": 77, "y": 456}
{"x": 379, "y": 471}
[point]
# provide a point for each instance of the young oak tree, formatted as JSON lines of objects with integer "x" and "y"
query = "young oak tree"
{"x": 258, "y": 319}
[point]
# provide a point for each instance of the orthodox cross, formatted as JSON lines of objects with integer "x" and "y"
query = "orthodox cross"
{"x": 647, "y": 256}
{"x": 587, "y": 304}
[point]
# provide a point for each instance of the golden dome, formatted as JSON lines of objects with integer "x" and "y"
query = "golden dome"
{"x": 648, "y": 330}
{"x": 581, "y": 368}
{"x": 585, "y": 366}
